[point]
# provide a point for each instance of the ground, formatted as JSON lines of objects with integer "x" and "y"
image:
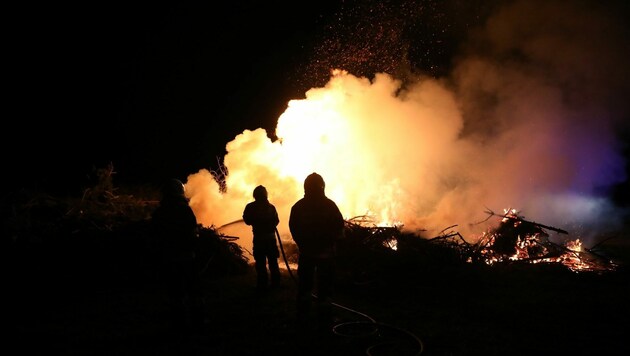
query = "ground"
{"x": 104, "y": 299}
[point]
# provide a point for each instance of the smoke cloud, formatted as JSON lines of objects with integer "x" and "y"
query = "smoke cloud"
{"x": 528, "y": 119}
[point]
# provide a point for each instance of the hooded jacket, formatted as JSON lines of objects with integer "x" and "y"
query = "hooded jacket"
{"x": 315, "y": 222}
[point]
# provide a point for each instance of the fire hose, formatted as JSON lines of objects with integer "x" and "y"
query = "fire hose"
{"x": 344, "y": 328}
{"x": 277, "y": 233}
{"x": 284, "y": 256}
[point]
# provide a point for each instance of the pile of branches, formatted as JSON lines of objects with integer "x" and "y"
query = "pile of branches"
{"x": 514, "y": 240}
{"x": 517, "y": 240}
{"x": 369, "y": 254}
{"x": 99, "y": 223}
{"x": 363, "y": 237}
{"x": 220, "y": 254}
{"x": 33, "y": 216}
{"x": 363, "y": 231}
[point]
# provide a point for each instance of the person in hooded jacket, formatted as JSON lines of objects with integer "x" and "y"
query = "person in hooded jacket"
{"x": 315, "y": 223}
{"x": 262, "y": 216}
{"x": 176, "y": 232}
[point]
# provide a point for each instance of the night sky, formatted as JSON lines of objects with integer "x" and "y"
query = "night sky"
{"x": 159, "y": 90}
{"x": 156, "y": 90}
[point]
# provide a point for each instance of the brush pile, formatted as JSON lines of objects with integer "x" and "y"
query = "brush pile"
{"x": 514, "y": 240}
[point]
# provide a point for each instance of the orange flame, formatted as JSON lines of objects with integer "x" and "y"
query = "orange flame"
{"x": 346, "y": 132}
{"x": 393, "y": 152}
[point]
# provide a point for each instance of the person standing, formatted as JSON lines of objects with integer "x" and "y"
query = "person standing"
{"x": 176, "y": 231}
{"x": 315, "y": 223}
{"x": 262, "y": 216}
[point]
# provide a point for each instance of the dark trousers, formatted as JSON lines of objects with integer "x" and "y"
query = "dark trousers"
{"x": 315, "y": 276}
{"x": 183, "y": 284}
{"x": 262, "y": 277}
{"x": 266, "y": 254}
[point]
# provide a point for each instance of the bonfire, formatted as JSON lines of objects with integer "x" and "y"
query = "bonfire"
{"x": 517, "y": 240}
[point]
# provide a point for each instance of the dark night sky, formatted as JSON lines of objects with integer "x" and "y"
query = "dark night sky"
{"x": 159, "y": 90}
{"x": 156, "y": 90}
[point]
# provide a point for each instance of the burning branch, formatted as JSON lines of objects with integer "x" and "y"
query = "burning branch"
{"x": 365, "y": 229}
{"x": 512, "y": 216}
{"x": 518, "y": 240}
{"x": 444, "y": 237}
{"x": 514, "y": 240}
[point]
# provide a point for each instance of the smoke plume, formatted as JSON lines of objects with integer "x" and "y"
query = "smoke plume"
{"x": 528, "y": 119}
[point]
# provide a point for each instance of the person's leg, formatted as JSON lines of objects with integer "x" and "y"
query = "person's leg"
{"x": 306, "y": 269}
{"x": 195, "y": 292}
{"x": 274, "y": 271}
{"x": 176, "y": 288}
{"x": 261, "y": 272}
{"x": 325, "y": 283}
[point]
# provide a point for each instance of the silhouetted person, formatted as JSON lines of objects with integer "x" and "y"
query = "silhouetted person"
{"x": 315, "y": 223}
{"x": 176, "y": 230}
{"x": 262, "y": 216}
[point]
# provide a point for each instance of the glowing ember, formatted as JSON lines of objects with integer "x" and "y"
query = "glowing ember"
{"x": 535, "y": 247}
{"x": 422, "y": 153}
{"x": 354, "y": 133}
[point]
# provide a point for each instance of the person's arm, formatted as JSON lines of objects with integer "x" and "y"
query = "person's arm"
{"x": 338, "y": 221}
{"x": 276, "y": 218}
{"x": 293, "y": 225}
{"x": 247, "y": 218}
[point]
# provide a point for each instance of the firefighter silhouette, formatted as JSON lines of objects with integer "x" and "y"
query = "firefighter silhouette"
{"x": 316, "y": 224}
{"x": 176, "y": 231}
{"x": 262, "y": 216}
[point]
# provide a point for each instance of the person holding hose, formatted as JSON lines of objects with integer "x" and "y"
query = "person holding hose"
{"x": 262, "y": 216}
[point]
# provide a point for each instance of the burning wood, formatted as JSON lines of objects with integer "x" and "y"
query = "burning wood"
{"x": 514, "y": 240}
{"x": 520, "y": 240}
{"x": 363, "y": 229}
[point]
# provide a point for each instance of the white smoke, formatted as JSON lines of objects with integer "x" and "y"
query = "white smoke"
{"x": 527, "y": 120}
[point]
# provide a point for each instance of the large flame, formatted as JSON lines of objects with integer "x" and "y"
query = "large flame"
{"x": 536, "y": 130}
{"x": 352, "y": 133}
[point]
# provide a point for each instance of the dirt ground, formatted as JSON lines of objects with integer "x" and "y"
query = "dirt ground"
{"x": 108, "y": 302}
